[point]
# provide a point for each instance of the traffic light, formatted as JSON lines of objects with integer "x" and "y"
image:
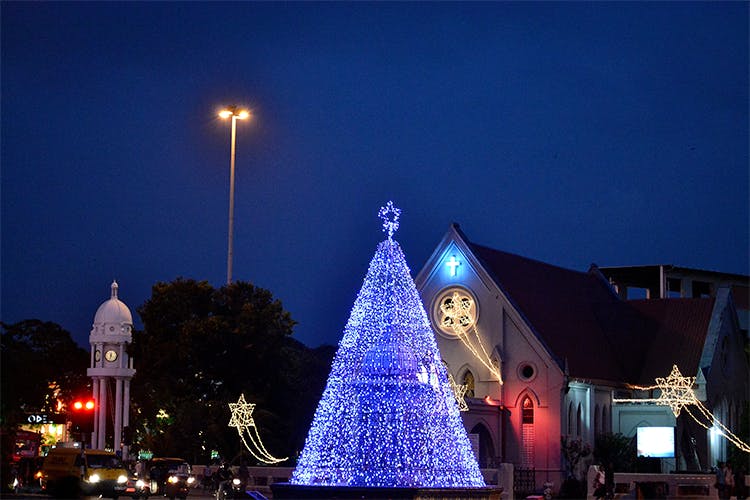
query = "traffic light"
{"x": 82, "y": 415}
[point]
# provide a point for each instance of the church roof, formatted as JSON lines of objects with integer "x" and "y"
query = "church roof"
{"x": 567, "y": 309}
{"x": 678, "y": 334}
{"x": 593, "y": 332}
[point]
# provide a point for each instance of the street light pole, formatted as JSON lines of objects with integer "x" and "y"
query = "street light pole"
{"x": 236, "y": 115}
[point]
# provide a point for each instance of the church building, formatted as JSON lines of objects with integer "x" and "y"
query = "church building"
{"x": 547, "y": 352}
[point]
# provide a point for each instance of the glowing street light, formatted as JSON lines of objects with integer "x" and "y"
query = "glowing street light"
{"x": 236, "y": 114}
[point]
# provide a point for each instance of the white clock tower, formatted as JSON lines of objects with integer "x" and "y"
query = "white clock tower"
{"x": 111, "y": 367}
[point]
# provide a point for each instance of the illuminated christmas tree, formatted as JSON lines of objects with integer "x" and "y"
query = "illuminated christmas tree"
{"x": 388, "y": 416}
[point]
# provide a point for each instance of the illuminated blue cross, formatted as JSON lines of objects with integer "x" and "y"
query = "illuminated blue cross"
{"x": 453, "y": 264}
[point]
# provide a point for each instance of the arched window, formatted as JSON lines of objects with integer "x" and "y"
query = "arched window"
{"x": 527, "y": 412}
{"x": 605, "y": 419}
{"x": 469, "y": 383}
{"x": 578, "y": 421}
{"x": 486, "y": 448}
{"x": 527, "y": 432}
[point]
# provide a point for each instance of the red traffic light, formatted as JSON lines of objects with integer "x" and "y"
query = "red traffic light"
{"x": 84, "y": 405}
{"x": 82, "y": 414}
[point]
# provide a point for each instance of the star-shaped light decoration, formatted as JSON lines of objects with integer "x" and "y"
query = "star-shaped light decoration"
{"x": 390, "y": 215}
{"x": 676, "y": 390}
{"x": 459, "y": 391}
{"x": 242, "y": 412}
{"x": 242, "y": 420}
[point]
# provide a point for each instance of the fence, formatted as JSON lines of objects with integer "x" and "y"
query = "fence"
{"x": 661, "y": 486}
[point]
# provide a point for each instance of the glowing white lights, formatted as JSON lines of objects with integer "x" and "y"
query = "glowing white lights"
{"x": 460, "y": 318}
{"x": 459, "y": 391}
{"x": 242, "y": 419}
{"x": 453, "y": 264}
{"x": 388, "y": 416}
{"x": 676, "y": 390}
{"x": 677, "y": 393}
{"x": 234, "y": 113}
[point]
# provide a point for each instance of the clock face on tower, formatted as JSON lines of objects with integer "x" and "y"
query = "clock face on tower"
{"x": 97, "y": 355}
{"x": 110, "y": 355}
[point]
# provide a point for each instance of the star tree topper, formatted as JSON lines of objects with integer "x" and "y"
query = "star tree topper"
{"x": 676, "y": 390}
{"x": 242, "y": 412}
{"x": 390, "y": 215}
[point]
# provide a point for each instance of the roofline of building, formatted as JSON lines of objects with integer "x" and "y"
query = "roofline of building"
{"x": 672, "y": 267}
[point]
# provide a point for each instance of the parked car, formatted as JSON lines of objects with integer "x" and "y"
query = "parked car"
{"x": 171, "y": 477}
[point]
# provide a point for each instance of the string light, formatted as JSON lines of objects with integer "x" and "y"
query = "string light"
{"x": 242, "y": 419}
{"x": 677, "y": 393}
{"x": 388, "y": 416}
{"x": 458, "y": 312}
{"x": 676, "y": 390}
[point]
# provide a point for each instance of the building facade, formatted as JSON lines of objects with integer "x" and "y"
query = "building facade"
{"x": 546, "y": 352}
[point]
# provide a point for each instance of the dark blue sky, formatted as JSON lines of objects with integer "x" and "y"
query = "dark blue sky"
{"x": 573, "y": 133}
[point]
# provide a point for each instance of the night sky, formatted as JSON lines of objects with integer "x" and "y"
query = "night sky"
{"x": 572, "y": 133}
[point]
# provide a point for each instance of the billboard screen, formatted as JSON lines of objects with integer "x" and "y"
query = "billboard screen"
{"x": 655, "y": 442}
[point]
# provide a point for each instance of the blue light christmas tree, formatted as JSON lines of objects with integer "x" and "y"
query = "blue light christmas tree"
{"x": 388, "y": 416}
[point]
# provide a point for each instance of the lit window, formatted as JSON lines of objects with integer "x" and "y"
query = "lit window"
{"x": 527, "y": 411}
{"x": 527, "y": 432}
{"x": 469, "y": 383}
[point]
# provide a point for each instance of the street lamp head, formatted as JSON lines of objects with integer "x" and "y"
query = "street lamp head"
{"x": 233, "y": 111}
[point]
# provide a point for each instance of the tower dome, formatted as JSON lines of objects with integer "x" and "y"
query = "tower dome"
{"x": 113, "y": 312}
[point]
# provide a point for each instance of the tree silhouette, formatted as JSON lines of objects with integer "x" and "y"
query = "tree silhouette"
{"x": 199, "y": 350}
{"x": 41, "y": 364}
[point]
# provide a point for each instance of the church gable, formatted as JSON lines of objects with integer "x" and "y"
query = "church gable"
{"x": 499, "y": 334}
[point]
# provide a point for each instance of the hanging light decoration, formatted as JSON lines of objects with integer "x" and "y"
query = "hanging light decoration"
{"x": 459, "y": 312}
{"x": 677, "y": 393}
{"x": 242, "y": 419}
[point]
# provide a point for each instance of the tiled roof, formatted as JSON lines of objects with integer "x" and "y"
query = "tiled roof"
{"x": 678, "y": 335}
{"x": 584, "y": 324}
